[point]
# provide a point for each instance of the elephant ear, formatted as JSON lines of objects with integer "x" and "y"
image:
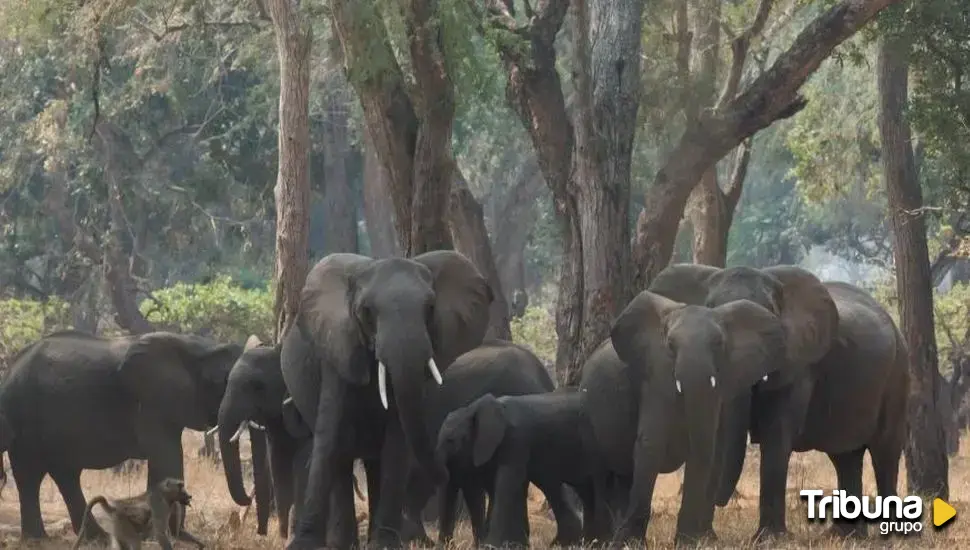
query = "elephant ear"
{"x": 639, "y": 332}
{"x": 175, "y": 374}
{"x": 807, "y": 312}
{"x": 685, "y": 283}
{"x": 325, "y": 318}
{"x": 755, "y": 344}
{"x": 490, "y": 426}
{"x": 461, "y": 307}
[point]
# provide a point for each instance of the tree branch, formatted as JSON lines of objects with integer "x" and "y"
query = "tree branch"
{"x": 732, "y": 193}
{"x": 739, "y": 52}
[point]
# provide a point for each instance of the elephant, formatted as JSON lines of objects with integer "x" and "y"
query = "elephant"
{"x": 256, "y": 393}
{"x": 687, "y": 367}
{"x": 74, "y": 401}
{"x": 511, "y": 441}
{"x": 497, "y": 367}
{"x": 368, "y": 334}
{"x": 849, "y": 392}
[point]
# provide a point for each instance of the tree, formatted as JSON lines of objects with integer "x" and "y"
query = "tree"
{"x": 294, "y": 36}
{"x": 773, "y": 95}
{"x": 926, "y": 459}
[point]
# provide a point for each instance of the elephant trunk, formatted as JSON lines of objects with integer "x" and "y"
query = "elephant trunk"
{"x": 732, "y": 445}
{"x": 409, "y": 367}
{"x": 702, "y": 409}
{"x": 231, "y": 423}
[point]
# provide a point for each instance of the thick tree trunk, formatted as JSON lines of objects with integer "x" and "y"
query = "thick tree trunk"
{"x": 513, "y": 220}
{"x": 471, "y": 239}
{"x": 711, "y": 210}
{"x": 412, "y": 137}
{"x": 378, "y": 208}
{"x": 772, "y": 96}
{"x": 927, "y": 466}
{"x": 293, "y": 39}
{"x": 340, "y": 208}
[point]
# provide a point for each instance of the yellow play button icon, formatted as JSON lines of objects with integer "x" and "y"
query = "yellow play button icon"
{"x": 942, "y": 512}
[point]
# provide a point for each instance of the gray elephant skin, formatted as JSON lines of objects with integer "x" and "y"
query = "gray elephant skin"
{"x": 499, "y": 368}
{"x": 73, "y": 401}
{"x": 368, "y": 336}
{"x": 256, "y": 392}
{"x": 511, "y": 441}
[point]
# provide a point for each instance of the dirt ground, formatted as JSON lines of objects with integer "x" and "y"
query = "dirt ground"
{"x": 225, "y": 526}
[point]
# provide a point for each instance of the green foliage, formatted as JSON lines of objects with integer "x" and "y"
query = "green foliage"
{"x": 537, "y": 330}
{"x": 24, "y": 321}
{"x": 222, "y": 309}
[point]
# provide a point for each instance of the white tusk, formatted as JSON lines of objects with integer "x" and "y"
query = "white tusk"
{"x": 288, "y": 400}
{"x": 242, "y": 427}
{"x": 212, "y": 431}
{"x": 713, "y": 382}
{"x": 382, "y": 382}
{"x": 678, "y": 386}
{"x": 434, "y": 371}
{"x": 765, "y": 379}
{"x": 256, "y": 426}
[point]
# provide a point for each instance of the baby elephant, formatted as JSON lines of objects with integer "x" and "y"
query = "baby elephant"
{"x": 502, "y": 444}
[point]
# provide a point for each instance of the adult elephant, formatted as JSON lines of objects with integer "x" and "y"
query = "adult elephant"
{"x": 362, "y": 321}
{"x": 856, "y": 401}
{"x": 256, "y": 393}
{"x": 74, "y": 401}
{"x": 499, "y": 368}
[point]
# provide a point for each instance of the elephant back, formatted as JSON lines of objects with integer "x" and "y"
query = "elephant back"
{"x": 610, "y": 404}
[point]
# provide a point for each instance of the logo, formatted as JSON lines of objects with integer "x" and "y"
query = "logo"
{"x": 893, "y": 514}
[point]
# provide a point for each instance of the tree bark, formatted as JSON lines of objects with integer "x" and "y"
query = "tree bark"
{"x": 378, "y": 208}
{"x": 340, "y": 208}
{"x": 927, "y": 466}
{"x": 587, "y": 167}
{"x": 772, "y": 96}
{"x": 294, "y": 37}
{"x": 471, "y": 239}
{"x": 711, "y": 210}
{"x": 512, "y": 220}
{"x": 412, "y": 136}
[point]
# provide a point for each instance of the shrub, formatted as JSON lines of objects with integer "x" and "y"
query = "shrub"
{"x": 537, "y": 330}
{"x": 23, "y": 322}
{"x": 221, "y": 309}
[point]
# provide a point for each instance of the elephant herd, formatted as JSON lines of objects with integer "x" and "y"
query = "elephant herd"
{"x": 388, "y": 362}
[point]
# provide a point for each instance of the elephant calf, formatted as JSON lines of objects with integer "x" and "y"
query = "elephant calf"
{"x": 505, "y": 443}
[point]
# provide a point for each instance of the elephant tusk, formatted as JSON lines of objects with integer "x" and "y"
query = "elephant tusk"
{"x": 713, "y": 382}
{"x": 288, "y": 400}
{"x": 211, "y": 431}
{"x": 242, "y": 427}
{"x": 434, "y": 370}
{"x": 382, "y": 382}
{"x": 678, "y": 386}
{"x": 765, "y": 378}
{"x": 256, "y": 426}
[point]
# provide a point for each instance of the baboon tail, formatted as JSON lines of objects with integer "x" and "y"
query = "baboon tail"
{"x": 87, "y": 514}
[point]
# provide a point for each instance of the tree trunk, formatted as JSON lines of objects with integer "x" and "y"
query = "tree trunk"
{"x": 378, "y": 208}
{"x": 412, "y": 136}
{"x": 293, "y": 39}
{"x": 772, "y": 96}
{"x": 512, "y": 220}
{"x": 340, "y": 208}
{"x": 927, "y": 465}
{"x": 471, "y": 239}
{"x": 711, "y": 211}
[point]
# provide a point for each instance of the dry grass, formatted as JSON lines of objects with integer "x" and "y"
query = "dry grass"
{"x": 223, "y": 525}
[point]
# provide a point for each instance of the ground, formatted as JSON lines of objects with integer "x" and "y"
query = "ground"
{"x": 225, "y": 526}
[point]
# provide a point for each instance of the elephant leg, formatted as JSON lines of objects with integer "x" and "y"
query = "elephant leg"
{"x": 885, "y": 464}
{"x": 28, "y": 478}
{"x": 509, "y": 524}
{"x": 419, "y": 492}
{"x": 69, "y": 484}
{"x": 596, "y": 524}
{"x": 372, "y": 471}
{"x": 163, "y": 447}
{"x": 848, "y": 468}
{"x": 283, "y": 464}
{"x": 310, "y": 532}
{"x": 569, "y": 529}
{"x": 447, "y": 499}
{"x": 474, "y": 497}
{"x": 386, "y": 521}
{"x": 342, "y": 528}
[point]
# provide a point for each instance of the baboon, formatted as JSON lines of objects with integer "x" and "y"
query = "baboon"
{"x": 131, "y": 520}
